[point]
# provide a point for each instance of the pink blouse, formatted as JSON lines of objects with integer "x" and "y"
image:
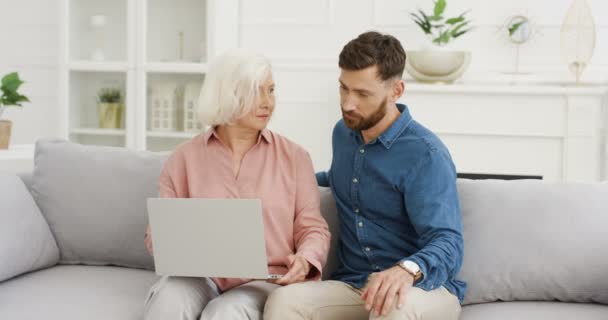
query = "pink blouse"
{"x": 275, "y": 170}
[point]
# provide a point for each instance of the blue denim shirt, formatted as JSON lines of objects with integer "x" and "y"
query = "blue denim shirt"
{"x": 397, "y": 200}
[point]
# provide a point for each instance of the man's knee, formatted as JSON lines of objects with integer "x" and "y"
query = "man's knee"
{"x": 278, "y": 301}
{"x": 419, "y": 304}
{"x": 285, "y": 301}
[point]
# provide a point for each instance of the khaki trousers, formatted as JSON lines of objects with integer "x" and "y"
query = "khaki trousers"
{"x": 329, "y": 300}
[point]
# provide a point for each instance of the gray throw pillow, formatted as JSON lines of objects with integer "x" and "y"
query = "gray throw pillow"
{"x": 26, "y": 243}
{"x": 533, "y": 240}
{"x": 94, "y": 199}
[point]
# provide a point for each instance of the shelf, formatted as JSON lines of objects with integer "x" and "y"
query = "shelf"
{"x": 154, "y": 52}
{"x": 98, "y": 30}
{"x": 93, "y": 66}
{"x": 98, "y": 132}
{"x": 176, "y": 67}
{"x": 528, "y": 89}
{"x": 174, "y": 134}
{"x": 17, "y": 152}
{"x": 84, "y": 88}
{"x": 176, "y": 30}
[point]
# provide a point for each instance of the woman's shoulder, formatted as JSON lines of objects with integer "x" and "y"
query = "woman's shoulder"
{"x": 287, "y": 144}
{"x": 186, "y": 149}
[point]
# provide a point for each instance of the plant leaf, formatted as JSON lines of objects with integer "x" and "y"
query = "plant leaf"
{"x": 11, "y": 82}
{"x": 443, "y": 38}
{"x": 439, "y": 7}
{"x": 458, "y": 34}
{"x": 421, "y": 25}
{"x": 454, "y": 20}
{"x": 458, "y": 28}
{"x": 464, "y": 13}
{"x": 423, "y": 21}
{"x": 9, "y": 86}
{"x": 417, "y": 19}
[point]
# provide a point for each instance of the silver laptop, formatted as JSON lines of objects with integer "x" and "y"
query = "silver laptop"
{"x": 209, "y": 238}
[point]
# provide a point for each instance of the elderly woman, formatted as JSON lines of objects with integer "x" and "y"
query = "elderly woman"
{"x": 239, "y": 158}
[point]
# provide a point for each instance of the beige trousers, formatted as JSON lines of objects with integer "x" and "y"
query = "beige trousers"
{"x": 183, "y": 298}
{"x": 334, "y": 300}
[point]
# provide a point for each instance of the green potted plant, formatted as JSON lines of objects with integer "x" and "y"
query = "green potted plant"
{"x": 109, "y": 107}
{"x": 436, "y": 62}
{"x": 10, "y": 97}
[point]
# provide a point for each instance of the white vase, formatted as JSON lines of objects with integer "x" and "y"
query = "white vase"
{"x": 437, "y": 66}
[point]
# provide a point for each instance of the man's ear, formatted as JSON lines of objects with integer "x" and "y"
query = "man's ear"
{"x": 397, "y": 90}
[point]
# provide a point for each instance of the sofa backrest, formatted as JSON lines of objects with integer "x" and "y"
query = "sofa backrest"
{"x": 26, "y": 242}
{"x": 524, "y": 240}
{"x": 533, "y": 240}
{"x": 94, "y": 200}
{"x": 27, "y": 180}
{"x": 329, "y": 212}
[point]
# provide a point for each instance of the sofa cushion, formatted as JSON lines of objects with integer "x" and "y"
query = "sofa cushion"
{"x": 94, "y": 199}
{"x": 534, "y": 311}
{"x": 533, "y": 240}
{"x": 26, "y": 242}
{"x": 77, "y": 292}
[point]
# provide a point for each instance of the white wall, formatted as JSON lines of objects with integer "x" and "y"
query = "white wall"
{"x": 304, "y": 38}
{"x": 29, "y": 30}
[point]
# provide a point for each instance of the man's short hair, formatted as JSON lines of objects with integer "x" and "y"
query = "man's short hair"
{"x": 374, "y": 48}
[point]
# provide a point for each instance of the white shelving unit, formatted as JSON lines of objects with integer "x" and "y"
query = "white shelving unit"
{"x": 17, "y": 159}
{"x": 135, "y": 46}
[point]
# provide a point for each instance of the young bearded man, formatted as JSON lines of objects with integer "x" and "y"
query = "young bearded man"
{"x": 401, "y": 245}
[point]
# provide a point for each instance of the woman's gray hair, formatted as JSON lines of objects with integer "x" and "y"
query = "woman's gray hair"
{"x": 231, "y": 86}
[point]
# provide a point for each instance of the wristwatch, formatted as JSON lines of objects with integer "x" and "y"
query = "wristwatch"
{"x": 412, "y": 268}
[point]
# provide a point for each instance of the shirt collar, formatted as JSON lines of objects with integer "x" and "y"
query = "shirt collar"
{"x": 265, "y": 135}
{"x": 388, "y": 137}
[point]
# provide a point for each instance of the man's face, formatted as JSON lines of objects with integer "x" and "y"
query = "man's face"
{"x": 363, "y": 97}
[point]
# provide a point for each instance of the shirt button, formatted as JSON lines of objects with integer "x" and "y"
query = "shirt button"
{"x": 362, "y": 150}
{"x": 367, "y": 249}
{"x": 355, "y": 180}
{"x": 356, "y": 210}
{"x": 360, "y": 224}
{"x": 377, "y": 267}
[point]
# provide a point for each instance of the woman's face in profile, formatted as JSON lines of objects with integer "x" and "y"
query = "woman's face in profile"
{"x": 260, "y": 115}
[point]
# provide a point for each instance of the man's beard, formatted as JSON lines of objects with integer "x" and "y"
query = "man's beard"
{"x": 362, "y": 124}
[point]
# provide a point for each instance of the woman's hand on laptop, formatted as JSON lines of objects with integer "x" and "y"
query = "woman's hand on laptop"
{"x": 299, "y": 268}
{"x": 148, "y": 241}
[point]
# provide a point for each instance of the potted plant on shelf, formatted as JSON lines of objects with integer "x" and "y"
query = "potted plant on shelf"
{"x": 109, "y": 108}
{"x": 436, "y": 62}
{"x": 10, "y": 97}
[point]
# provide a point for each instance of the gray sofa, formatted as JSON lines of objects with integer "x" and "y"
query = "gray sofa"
{"x": 71, "y": 241}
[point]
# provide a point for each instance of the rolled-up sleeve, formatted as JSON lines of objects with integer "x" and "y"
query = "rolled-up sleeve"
{"x": 322, "y": 178}
{"x": 432, "y": 203}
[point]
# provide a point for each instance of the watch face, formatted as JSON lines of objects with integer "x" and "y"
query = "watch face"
{"x": 411, "y": 266}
